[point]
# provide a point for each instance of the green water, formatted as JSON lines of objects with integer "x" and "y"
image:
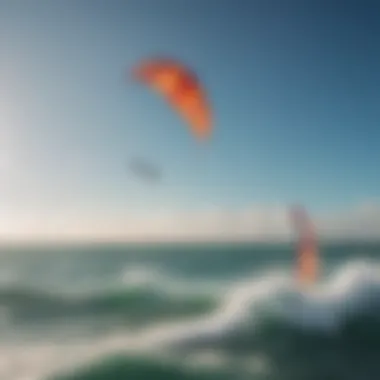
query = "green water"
{"x": 187, "y": 312}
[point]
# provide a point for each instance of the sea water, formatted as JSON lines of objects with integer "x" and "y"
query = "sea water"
{"x": 187, "y": 311}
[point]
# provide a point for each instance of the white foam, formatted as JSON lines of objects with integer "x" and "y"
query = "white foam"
{"x": 355, "y": 287}
{"x": 350, "y": 290}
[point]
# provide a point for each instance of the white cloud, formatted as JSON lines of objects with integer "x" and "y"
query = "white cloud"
{"x": 361, "y": 221}
{"x": 256, "y": 222}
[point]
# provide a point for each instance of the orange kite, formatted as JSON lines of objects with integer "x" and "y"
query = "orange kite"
{"x": 181, "y": 88}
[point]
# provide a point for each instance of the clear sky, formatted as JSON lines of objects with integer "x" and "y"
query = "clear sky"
{"x": 295, "y": 88}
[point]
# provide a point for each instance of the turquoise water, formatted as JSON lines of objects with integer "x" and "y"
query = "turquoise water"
{"x": 187, "y": 312}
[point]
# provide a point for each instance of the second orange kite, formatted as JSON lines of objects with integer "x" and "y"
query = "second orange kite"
{"x": 307, "y": 253}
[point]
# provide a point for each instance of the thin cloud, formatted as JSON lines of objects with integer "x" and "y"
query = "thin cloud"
{"x": 254, "y": 223}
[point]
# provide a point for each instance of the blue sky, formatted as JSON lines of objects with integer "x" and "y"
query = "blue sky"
{"x": 294, "y": 85}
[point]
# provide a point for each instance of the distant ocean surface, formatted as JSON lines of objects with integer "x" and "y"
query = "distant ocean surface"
{"x": 187, "y": 312}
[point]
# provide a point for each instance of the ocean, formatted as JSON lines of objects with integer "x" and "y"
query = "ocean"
{"x": 186, "y": 312}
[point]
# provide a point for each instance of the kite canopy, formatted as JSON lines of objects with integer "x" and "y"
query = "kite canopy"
{"x": 307, "y": 267}
{"x": 181, "y": 89}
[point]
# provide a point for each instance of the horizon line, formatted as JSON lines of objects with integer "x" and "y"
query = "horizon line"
{"x": 157, "y": 241}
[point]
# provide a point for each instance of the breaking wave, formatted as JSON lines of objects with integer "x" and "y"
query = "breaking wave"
{"x": 262, "y": 325}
